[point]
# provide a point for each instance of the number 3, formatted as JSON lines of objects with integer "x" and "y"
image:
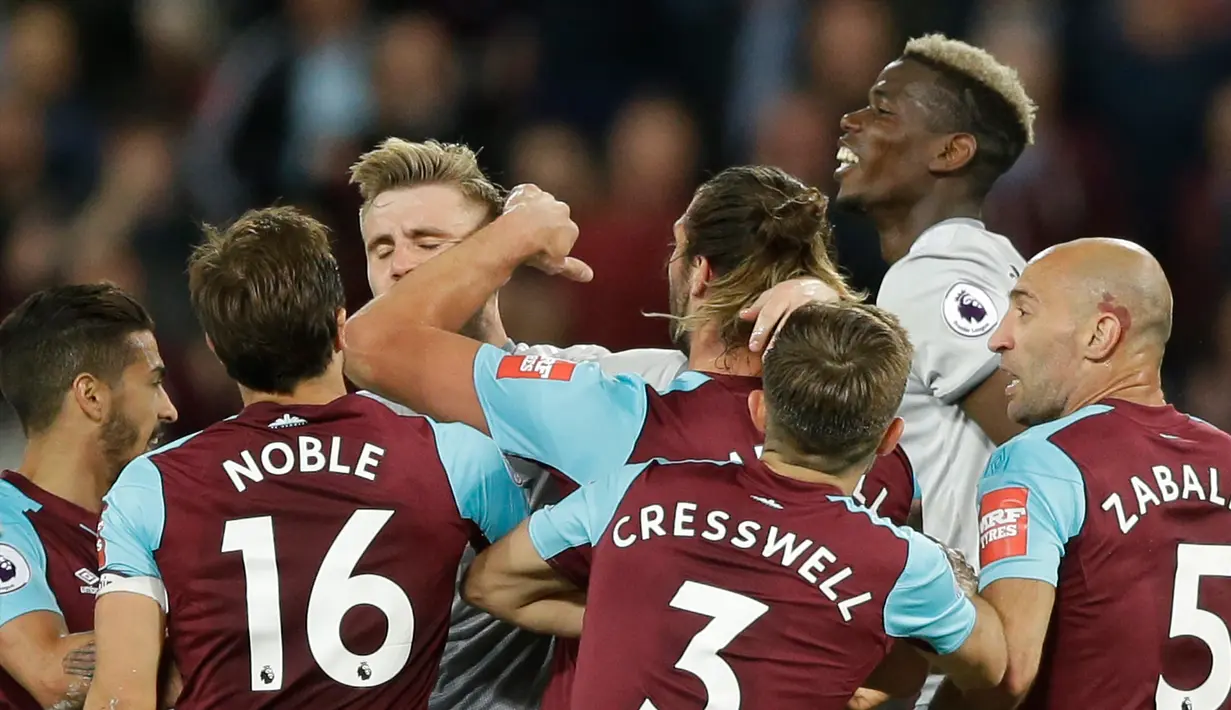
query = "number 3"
{"x": 1187, "y": 619}
{"x": 334, "y": 593}
{"x": 731, "y": 613}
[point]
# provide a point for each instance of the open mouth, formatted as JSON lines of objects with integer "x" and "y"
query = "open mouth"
{"x": 1013, "y": 385}
{"x": 847, "y": 159}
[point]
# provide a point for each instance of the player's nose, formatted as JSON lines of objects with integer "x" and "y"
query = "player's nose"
{"x": 850, "y": 121}
{"x": 1001, "y": 339}
{"x": 168, "y": 412}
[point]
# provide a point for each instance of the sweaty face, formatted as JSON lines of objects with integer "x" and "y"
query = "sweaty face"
{"x": 141, "y": 409}
{"x": 405, "y": 227}
{"x": 886, "y": 146}
{"x": 1038, "y": 342}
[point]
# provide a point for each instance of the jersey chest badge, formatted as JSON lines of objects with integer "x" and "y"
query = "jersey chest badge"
{"x": 969, "y": 311}
{"x": 1003, "y": 525}
{"x": 534, "y": 367}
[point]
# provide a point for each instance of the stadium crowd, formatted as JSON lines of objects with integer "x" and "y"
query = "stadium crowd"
{"x": 122, "y": 126}
{"x": 995, "y": 462}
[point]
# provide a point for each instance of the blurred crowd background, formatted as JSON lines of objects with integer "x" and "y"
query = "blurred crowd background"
{"x": 126, "y": 123}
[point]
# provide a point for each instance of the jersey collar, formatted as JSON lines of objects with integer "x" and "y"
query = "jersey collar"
{"x": 951, "y": 222}
{"x": 52, "y": 505}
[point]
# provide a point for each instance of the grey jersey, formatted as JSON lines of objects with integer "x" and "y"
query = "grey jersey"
{"x": 950, "y": 292}
{"x": 491, "y": 665}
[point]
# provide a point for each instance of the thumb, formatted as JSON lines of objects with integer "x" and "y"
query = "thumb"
{"x": 575, "y": 269}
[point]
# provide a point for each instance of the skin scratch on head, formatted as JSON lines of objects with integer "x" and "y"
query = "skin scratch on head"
{"x": 1108, "y": 305}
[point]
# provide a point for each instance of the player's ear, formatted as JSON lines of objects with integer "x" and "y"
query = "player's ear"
{"x": 92, "y": 396}
{"x": 891, "y": 437}
{"x": 700, "y": 276}
{"x": 1104, "y": 337}
{"x": 955, "y": 153}
{"x": 756, "y": 408}
{"x": 209, "y": 343}
{"x": 339, "y": 342}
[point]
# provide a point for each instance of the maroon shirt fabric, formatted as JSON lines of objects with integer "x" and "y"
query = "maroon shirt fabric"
{"x": 66, "y": 531}
{"x": 1125, "y": 605}
{"x": 712, "y": 422}
{"x": 418, "y": 549}
{"x": 777, "y": 606}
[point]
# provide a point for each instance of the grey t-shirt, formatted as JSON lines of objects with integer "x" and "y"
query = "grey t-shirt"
{"x": 950, "y": 292}
{"x": 491, "y": 665}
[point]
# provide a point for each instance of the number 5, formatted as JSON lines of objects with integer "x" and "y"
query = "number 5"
{"x": 1192, "y": 562}
{"x": 731, "y": 613}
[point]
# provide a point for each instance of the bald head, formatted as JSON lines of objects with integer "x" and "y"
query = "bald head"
{"x": 1116, "y": 277}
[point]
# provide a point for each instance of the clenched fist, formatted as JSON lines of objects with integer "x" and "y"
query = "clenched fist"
{"x": 546, "y": 224}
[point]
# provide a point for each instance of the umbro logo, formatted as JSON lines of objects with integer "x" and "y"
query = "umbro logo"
{"x": 90, "y": 579}
{"x": 767, "y": 501}
{"x": 286, "y": 421}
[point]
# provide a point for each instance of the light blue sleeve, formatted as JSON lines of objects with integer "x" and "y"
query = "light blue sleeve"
{"x": 23, "y": 571}
{"x": 567, "y": 415}
{"x": 926, "y": 602}
{"x": 581, "y": 518}
{"x": 482, "y": 483}
{"x": 1032, "y": 502}
{"x": 134, "y": 515}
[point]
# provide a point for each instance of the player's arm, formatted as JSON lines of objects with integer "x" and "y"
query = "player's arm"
{"x": 36, "y": 649}
{"x": 959, "y": 632}
{"x": 130, "y": 612}
{"x": 130, "y": 628}
{"x": 1032, "y": 502}
{"x": 950, "y": 308}
{"x": 512, "y": 582}
{"x": 533, "y": 577}
{"x": 403, "y": 345}
{"x": 988, "y": 406}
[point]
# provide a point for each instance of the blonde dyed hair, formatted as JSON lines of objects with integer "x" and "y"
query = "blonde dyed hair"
{"x": 981, "y": 66}
{"x": 757, "y": 226}
{"x": 398, "y": 163}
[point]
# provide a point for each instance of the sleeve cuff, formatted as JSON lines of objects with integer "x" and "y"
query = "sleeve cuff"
{"x": 1017, "y": 569}
{"x": 151, "y": 587}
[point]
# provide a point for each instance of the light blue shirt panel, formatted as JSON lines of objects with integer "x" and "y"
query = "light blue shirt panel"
{"x": 482, "y": 483}
{"x": 583, "y": 426}
{"x": 1055, "y": 498}
{"x": 581, "y": 517}
{"x": 23, "y": 559}
{"x": 926, "y": 602}
{"x": 134, "y": 514}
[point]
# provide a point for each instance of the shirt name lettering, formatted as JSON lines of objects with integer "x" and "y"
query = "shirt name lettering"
{"x": 307, "y": 454}
{"x": 1163, "y": 487}
{"x": 814, "y": 563}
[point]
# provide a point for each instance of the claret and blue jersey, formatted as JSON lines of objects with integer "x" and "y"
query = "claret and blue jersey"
{"x": 307, "y": 554}
{"x": 47, "y": 564}
{"x": 1126, "y": 510}
{"x": 585, "y": 423}
{"x": 730, "y": 557}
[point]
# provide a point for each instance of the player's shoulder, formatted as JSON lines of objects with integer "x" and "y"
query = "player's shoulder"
{"x": 577, "y": 353}
{"x": 952, "y": 250}
{"x": 655, "y": 367}
{"x": 15, "y": 505}
{"x": 659, "y": 368}
{"x": 962, "y": 239}
{"x": 1040, "y": 451}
